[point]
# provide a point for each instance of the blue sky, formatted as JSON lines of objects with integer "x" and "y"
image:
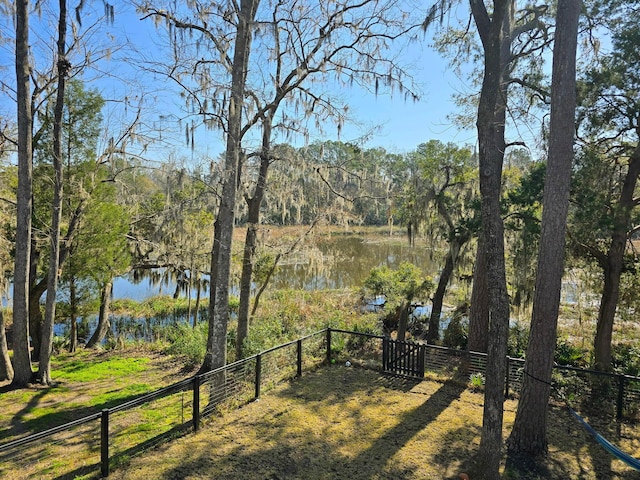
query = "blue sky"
{"x": 399, "y": 125}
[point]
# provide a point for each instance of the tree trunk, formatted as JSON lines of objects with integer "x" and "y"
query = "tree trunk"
{"x": 250, "y": 243}
{"x": 529, "y": 434}
{"x": 403, "y": 321}
{"x": 46, "y": 345}
{"x": 197, "y": 307}
{"x": 35, "y": 313}
{"x": 433, "y": 334}
{"x": 494, "y": 32}
{"x": 614, "y": 264}
{"x": 73, "y": 306}
{"x": 103, "y": 317}
{"x": 216, "y": 353}
{"x": 21, "y": 355}
{"x": 479, "y": 310}
{"x": 6, "y": 370}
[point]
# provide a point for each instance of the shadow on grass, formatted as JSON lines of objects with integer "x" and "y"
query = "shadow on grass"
{"x": 290, "y": 450}
{"x": 20, "y": 426}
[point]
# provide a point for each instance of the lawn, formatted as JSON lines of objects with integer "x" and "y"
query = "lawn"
{"x": 353, "y": 423}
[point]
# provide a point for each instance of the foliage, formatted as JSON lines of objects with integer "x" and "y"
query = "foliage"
{"x": 626, "y": 359}
{"x": 407, "y": 282}
{"x": 188, "y": 343}
{"x": 568, "y": 354}
{"x": 518, "y": 340}
{"x": 456, "y": 333}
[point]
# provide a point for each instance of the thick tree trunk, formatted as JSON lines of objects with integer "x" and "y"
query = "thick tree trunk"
{"x": 495, "y": 35}
{"x": 216, "y": 354}
{"x": 103, "y": 317}
{"x": 614, "y": 265}
{"x": 6, "y": 370}
{"x": 479, "y": 310}
{"x": 46, "y": 345}
{"x": 21, "y": 354}
{"x": 251, "y": 239}
{"x": 529, "y": 434}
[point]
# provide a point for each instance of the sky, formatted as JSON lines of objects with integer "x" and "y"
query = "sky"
{"x": 397, "y": 125}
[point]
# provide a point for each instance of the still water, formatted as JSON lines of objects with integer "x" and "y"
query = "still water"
{"x": 331, "y": 262}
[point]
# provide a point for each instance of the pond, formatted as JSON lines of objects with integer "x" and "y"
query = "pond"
{"x": 334, "y": 261}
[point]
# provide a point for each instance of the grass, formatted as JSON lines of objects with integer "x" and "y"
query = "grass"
{"x": 336, "y": 422}
{"x": 354, "y": 423}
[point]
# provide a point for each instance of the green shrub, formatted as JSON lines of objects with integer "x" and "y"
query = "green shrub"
{"x": 569, "y": 354}
{"x": 188, "y": 343}
{"x": 625, "y": 359}
{"x": 518, "y": 339}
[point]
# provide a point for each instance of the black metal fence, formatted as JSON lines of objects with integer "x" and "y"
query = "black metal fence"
{"x": 92, "y": 445}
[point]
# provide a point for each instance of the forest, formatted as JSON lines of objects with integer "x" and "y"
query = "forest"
{"x": 101, "y": 180}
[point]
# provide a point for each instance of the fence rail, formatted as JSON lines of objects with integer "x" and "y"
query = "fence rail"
{"x": 99, "y": 441}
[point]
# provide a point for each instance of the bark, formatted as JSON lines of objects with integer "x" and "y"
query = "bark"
{"x": 457, "y": 243}
{"x": 73, "y": 304}
{"x": 403, "y": 321}
{"x": 614, "y": 265}
{"x": 529, "y": 434}
{"x": 35, "y": 312}
{"x": 216, "y": 354}
{"x": 197, "y": 306}
{"x": 479, "y": 310}
{"x": 103, "y": 317}
{"x": 6, "y": 370}
{"x": 21, "y": 355}
{"x": 46, "y": 345}
{"x": 494, "y": 33}
{"x": 250, "y": 243}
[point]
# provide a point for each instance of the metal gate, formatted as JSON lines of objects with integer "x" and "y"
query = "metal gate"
{"x": 403, "y": 358}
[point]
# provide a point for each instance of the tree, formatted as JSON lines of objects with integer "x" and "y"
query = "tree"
{"x": 21, "y": 354}
{"x": 606, "y": 175}
{"x": 495, "y": 34}
{"x": 63, "y": 66}
{"x": 7, "y": 176}
{"x": 529, "y": 430}
{"x": 399, "y": 288}
{"x": 445, "y": 203}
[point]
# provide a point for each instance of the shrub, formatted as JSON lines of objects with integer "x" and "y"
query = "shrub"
{"x": 188, "y": 343}
{"x": 569, "y": 354}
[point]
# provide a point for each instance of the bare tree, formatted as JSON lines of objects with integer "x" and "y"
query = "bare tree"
{"x": 63, "y": 65}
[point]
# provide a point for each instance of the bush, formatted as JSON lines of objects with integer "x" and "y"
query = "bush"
{"x": 188, "y": 343}
{"x": 625, "y": 359}
{"x": 518, "y": 339}
{"x": 569, "y": 354}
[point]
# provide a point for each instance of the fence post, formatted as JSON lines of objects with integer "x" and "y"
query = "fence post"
{"x": 258, "y": 374}
{"x": 104, "y": 443}
{"x": 196, "y": 403}
{"x": 328, "y": 346}
{"x": 385, "y": 353}
{"x": 506, "y": 383}
{"x": 620, "y": 397}
{"x": 299, "y": 357}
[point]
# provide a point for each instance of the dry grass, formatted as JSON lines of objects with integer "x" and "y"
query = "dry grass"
{"x": 352, "y": 423}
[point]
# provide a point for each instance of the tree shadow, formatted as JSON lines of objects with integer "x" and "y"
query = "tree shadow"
{"x": 287, "y": 449}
